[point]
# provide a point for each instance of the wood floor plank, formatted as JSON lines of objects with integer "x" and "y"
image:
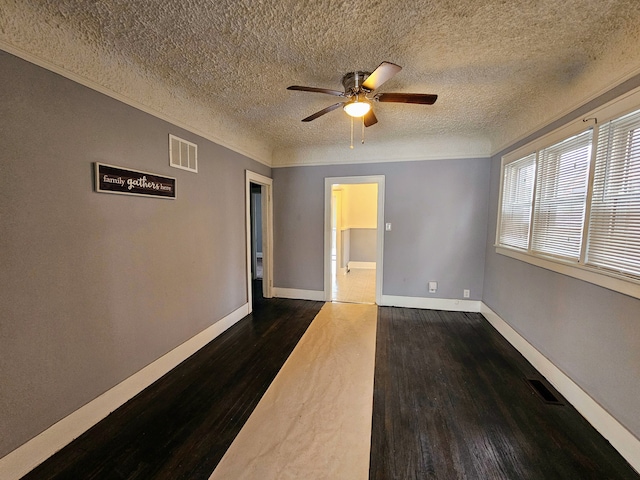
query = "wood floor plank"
{"x": 451, "y": 402}
{"x": 181, "y": 426}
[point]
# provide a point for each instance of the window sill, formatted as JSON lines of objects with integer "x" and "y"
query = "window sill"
{"x": 610, "y": 281}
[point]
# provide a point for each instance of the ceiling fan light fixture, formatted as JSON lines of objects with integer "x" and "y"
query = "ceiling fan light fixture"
{"x": 357, "y": 85}
{"x": 357, "y": 108}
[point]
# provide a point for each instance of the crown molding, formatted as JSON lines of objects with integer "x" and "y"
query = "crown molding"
{"x": 567, "y": 111}
{"x": 443, "y": 147}
{"x": 263, "y": 157}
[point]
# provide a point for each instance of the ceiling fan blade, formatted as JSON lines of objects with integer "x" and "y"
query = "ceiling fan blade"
{"x": 322, "y": 112}
{"x": 370, "y": 118}
{"x": 337, "y": 93}
{"x": 384, "y": 72}
{"x": 419, "y": 98}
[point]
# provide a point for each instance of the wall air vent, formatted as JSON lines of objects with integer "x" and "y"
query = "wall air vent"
{"x": 183, "y": 154}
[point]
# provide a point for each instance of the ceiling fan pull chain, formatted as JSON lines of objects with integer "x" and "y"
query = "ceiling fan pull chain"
{"x": 351, "y": 146}
{"x": 363, "y": 130}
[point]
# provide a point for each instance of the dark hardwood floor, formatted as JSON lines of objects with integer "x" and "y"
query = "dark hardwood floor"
{"x": 451, "y": 402}
{"x": 181, "y": 426}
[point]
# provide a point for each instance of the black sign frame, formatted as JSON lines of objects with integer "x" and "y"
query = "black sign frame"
{"x": 124, "y": 181}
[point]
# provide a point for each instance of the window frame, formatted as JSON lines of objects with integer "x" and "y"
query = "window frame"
{"x": 622, "y": 283}
{"x": 527, "y": 161}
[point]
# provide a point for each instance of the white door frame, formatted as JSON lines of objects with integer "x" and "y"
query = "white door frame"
{"x": 267, "y": 234}
{"x": 328, "y": 182}
{"x": 337, "y": 196}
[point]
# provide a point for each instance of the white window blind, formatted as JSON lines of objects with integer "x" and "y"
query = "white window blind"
{"x": 585, "y": 211}
{"x": 560, "y": 198}
{"x": 517, "y": 195}
{"x": 614, "y": 224}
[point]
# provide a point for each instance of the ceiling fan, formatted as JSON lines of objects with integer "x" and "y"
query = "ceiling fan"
{"x": 358, "y": 94}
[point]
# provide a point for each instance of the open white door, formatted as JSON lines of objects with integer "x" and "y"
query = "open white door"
{"x": 267, "y": 234}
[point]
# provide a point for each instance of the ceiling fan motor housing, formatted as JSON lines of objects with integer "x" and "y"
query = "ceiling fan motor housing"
{"x": 352, "y": 82}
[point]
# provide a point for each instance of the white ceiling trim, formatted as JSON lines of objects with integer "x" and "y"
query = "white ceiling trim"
{"x": 54, "y": 45}
{"x": 438, "y": 148}
{"x": 435, "y": 148}
{"x": 441, "y": 147}
{"x": 259, "y": 153}
{"x": 220, "y": 69}
{"x": 566, "y": 111}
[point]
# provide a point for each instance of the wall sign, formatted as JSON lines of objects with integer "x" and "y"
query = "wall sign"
{"x": 111, "y": 179}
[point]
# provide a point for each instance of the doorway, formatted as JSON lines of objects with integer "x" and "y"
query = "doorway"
{"x": 256, "y": 232}
{"x": 354, "y": 216}
{"x": 259, "y": 227}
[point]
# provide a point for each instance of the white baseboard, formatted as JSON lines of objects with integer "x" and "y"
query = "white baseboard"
{"x": 297, "y": 294}
{"x": 28, "y": 456}
{"x": 366, "y": 265}
{"x": 621, "y": 438}
{"x": 453, "y": 305}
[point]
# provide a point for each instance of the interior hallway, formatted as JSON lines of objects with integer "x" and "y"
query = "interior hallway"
{"x": 450, "y": 401}
{"x": 357, "y": 285}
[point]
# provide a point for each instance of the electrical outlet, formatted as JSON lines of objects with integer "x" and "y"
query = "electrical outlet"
{"x": 433, "y": 286}
{"x": 466, "y": 293}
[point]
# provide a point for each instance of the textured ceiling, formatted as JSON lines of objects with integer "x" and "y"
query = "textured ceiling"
{"x": 501, "y": 68}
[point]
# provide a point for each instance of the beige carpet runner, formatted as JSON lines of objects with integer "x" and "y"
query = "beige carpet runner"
{"x": 314, "y": 421}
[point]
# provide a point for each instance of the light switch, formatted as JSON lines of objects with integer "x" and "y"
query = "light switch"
{"x": 387, "y": 227}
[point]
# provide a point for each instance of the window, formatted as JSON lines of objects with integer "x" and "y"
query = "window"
{"x": 614, "y": 226}
{"x": 517, "y": 195}
{"x": 561, "y": 197}
{"x": 573, "y": 205}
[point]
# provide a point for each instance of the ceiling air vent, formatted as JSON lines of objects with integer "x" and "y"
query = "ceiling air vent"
{"x": 183, "y": 154}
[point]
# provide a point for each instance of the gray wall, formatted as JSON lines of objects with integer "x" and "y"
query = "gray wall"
{"x": 438, "y": 211}
{"x": 591, "y": 333}
{"x": 362, "y": 244}
{"x": 96, "y": 286}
